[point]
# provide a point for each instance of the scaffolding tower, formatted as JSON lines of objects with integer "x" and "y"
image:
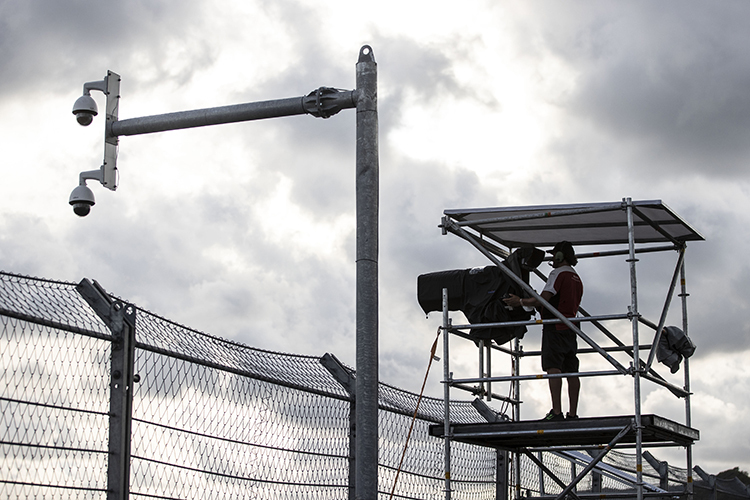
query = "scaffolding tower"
{"x": 627, "y": 228}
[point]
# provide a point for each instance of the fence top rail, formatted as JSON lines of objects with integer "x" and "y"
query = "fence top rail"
{"x": 58, "y": 305}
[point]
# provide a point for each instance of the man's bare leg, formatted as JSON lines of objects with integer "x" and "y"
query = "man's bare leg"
{"x": 574, "y": 388}
{"x": 555, "y": 391}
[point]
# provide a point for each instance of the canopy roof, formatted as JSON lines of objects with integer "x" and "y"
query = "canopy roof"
{"x": 580, "y": 224}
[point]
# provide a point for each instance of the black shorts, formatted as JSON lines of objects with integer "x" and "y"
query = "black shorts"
{"x": 559, "y": 349}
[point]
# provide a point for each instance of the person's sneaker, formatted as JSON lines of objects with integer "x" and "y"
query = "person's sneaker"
{"x": 553, "y": 416}
{"x": 568, "y": 416}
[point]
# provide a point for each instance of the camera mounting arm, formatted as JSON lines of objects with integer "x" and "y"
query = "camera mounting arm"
{"x": 110, "y": 176}
{"x": 85, "y": 110}
{"x": 82, "y": 198}
{"x": 100, "y": 85}
{"x": 96, "y": 175}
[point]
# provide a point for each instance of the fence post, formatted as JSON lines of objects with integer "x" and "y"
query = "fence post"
{"x": 501, "y": 464}
{"x": 347, "y": 380}
{"x": 596, "y": 476}
{"x": 710, "y": 479}
{"x": 120, "y": 319}
{"x": 661, "y": 467}
{"x": 501, "y": 477}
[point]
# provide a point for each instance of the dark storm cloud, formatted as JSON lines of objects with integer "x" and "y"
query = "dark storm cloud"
{"x": 423, "y": 74}
{"x": 47, "y": 44}
{"x": 411, "y": 242}
{"x": 655, "y": 84}
{"x": 653, "y": 98}
{"x": 311, "y": 62}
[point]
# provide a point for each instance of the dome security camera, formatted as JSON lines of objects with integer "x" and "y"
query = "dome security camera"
{"x": 82, "y": 199}
{"x": 85, "y": 109}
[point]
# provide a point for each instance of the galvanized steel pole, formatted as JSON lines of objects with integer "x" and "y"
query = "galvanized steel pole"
{"x": 366, "y": 467}
{"x": 688, "y": 414}
{"x": 324, "y": 102}
{"x": 636, "y": 350}
{"x": 447, "y": 376}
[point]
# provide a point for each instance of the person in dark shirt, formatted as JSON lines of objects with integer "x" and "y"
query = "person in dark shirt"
{"x": 563, "y": 291}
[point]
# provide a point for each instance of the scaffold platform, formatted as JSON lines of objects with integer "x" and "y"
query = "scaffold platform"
{"x": 630, "y": 229}
{"x": 582, "y": 432}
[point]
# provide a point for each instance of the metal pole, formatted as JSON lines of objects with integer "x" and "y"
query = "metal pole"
{"x": 348, "y": 382}
{"x": 367, "y": 183}
{"x": 573, "y": 474}
{"x": 662, "y": 468}
{"x": 595, "y": 461}
{"x": 501, "y": 484}
{"x": 516, "y": 364}
{"x": 688, "y": 414}
{"x": 544, "y": 469}
{"x": 506, "y": 378}
{"x": 334, "y": 102}
{"x": 488, "y": 350}
{"x": 120, "y": 319}
{"x": 501, "y": 461}
{"x": 517, "y": 413}
{"x": 540, "y": 459}
{"x": 121, "y": 408}
{"x": 482, "y": 391}
{"x": 447, "y": 376}
{"x": 596, "y": 476}
{"x": 636, "y": 353}
{"x": 578, "y": 319}
{"x": 665, "y": 309}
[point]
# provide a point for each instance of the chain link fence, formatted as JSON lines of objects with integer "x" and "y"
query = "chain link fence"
{"x": 211, "y": 418}
{"x": 215, "y": 419}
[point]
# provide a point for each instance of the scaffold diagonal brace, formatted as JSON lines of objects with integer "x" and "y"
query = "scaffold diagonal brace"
{"x": 547, "y": 471}
{"x": 595, "y": 461}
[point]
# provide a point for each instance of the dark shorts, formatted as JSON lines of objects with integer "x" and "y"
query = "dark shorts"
{"x": 559, "y": 350}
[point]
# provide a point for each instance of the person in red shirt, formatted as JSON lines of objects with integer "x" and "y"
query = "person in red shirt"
{"x": 563, "y": 291}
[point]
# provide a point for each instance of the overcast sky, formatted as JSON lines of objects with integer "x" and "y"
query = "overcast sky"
{"x": 246, "y": 231}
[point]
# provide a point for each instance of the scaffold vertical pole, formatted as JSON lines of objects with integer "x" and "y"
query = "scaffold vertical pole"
{"x": 688, "y": 413}
{"x": 482, "y": 384}
{"x": 636, "y": 354}
{"x": 447, "y": 395}
{"x": 517, "y": 353}
{"x": 488, "y": 354}
{"x": 517, "y": 412}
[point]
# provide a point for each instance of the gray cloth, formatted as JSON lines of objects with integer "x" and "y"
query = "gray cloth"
{"x": 673, "y": 346}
